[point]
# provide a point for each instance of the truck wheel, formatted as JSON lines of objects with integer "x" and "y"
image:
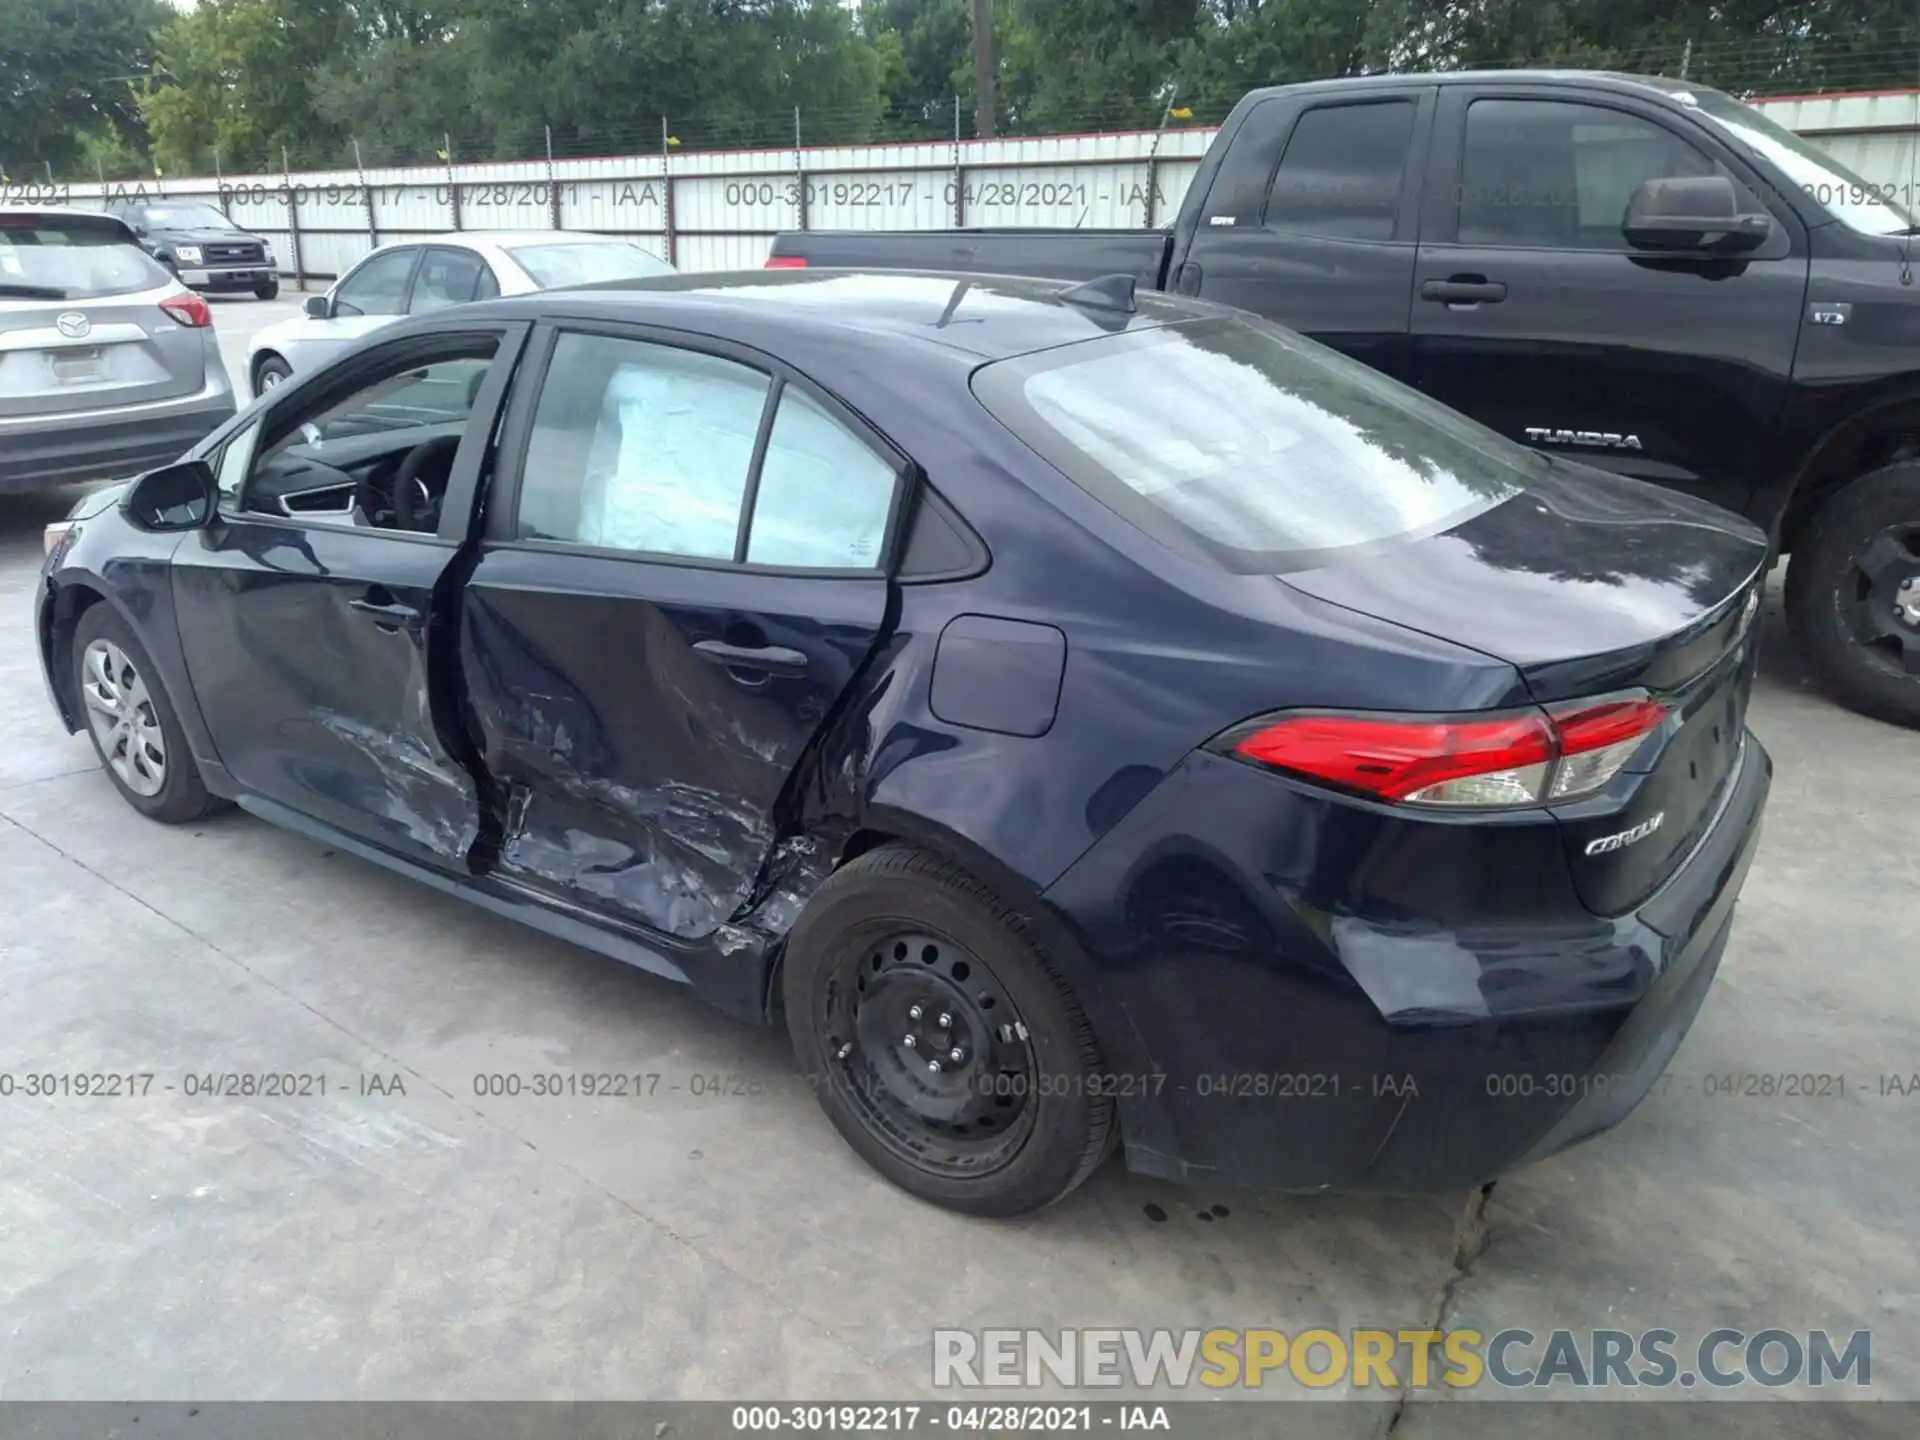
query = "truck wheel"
{"x": 1853, "y": 593}
{"x": 939, "y": 1038}
{"x": 268, "y": 291}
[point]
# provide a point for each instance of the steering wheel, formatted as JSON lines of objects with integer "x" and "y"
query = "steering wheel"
{"x": 412, "y": 500}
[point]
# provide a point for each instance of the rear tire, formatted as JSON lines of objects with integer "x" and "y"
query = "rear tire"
{"x": 897, "y": 942}
{"x": 132, "y": 723}
{"x": 268, "y": 371}
{"x": 268, "y": 291}
{"x": 1853, "y": 594}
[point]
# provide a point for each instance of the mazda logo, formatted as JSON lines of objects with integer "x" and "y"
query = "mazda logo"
{"x": 73, "y": 324}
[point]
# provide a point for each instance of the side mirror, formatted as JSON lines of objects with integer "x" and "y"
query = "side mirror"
{"x": 180, "y": 496}
{"x": 1692, "y": 213}
{"x": 318, "y": 307}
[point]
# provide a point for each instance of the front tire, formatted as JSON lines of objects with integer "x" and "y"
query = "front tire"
{"x": 268, "y": 371}
{"x": 941, "y": 1039}
{"x": 132, "y": 722}
{"x": 1853, "y": 594}
{"x": 268, "y": 291}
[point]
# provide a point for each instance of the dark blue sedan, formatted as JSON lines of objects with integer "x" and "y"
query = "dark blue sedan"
{"x": 1081, "y": 719}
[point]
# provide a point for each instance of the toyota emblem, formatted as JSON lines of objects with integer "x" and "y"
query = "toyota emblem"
{"x": 73, "y": 325}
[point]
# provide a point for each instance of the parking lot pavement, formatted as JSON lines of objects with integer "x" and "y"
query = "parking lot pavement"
{"x": 407, "y": 1236}
{"x": 237, "y": 319}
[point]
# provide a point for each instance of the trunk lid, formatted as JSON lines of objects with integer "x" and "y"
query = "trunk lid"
{"x": 1590, "y": 584}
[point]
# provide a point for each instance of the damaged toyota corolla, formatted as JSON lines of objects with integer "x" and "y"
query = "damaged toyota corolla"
{"x": 1082, "y": 719}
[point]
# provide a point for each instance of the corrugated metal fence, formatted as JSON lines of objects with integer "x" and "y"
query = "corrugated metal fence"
{"x": 718, "y": 210}
{"x": 708, "y": 211}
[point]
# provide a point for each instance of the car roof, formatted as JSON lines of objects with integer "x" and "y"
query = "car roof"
{"x": 987, "y": 317}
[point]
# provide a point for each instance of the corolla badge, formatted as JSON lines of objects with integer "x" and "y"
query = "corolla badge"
{"x": 72, "y": 324}
{"x": 1599, "y": 439}
{"x": 1607, "y": 844}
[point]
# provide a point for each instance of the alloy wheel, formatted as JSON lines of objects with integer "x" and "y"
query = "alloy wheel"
{"x": 930, "y": 1047}
{"x": 121, "y": 715}
{"x": 1883, "y": 612}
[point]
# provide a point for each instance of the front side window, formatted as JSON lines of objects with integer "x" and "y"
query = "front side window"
{"x": 236, "y": 457}
{"x": 340, "y": 459}
{"x": 1555, "y": 174}
{"x": 1342, "y": 171}
{"x": 378, "y": 287}
{"x": 652, "y": 450}
{"x": 1237, "y": 442}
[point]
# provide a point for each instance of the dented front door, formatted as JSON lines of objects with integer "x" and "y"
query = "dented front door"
{"x": 310, "y": 634}
{"x": 640, "y": 771}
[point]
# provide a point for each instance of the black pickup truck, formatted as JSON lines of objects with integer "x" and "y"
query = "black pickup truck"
{"x": 1638, "y": 273}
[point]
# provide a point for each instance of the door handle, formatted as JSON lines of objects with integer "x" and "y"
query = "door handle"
{"x": 773, "y": 659}
{"x": 1464, "y": 290}
{"x": 389, "y": 617}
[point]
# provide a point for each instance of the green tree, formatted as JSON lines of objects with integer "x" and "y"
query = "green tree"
{"x": 238, "y": 84}
{"x": 67, "y": 71}
{"x": 926, "y": 49}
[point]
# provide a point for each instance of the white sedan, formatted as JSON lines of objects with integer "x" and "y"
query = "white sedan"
{"x": 411, "y": 277}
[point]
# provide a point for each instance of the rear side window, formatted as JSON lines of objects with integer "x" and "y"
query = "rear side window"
{"x": 447, "y": 277}
{"x": 43, "y": 259}
{"x": 655, "y": 450}
{"x": 1342, "y": 171}
{"x": 1235, "y": 441}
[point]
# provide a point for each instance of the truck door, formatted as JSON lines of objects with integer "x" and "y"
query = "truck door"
{"x": 1534, "y": 316}
{"x": 1312, "y": 220}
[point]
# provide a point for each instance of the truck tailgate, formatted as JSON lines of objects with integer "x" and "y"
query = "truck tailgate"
{"x": 1054, "y": 254}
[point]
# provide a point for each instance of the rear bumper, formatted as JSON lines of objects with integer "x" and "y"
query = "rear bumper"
{"x": 1264, "y": 1041}
{"x": 110, "y": 444}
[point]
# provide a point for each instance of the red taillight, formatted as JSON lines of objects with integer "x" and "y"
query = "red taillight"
{"x": 785, "y": 262}
{"x": 190, "y": 310}
{"x": 1522, "y": 758}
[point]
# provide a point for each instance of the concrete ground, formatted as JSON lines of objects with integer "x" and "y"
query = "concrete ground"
{"x": 420, "y": 1240}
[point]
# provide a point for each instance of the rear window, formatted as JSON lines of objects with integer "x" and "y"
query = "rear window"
{"x": 1244, "y": 444}
{"x": 48, "y": 260}
{"x": 576, "y": 264}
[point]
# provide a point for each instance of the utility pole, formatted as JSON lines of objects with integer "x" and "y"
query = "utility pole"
{"x": 983, "y": 69}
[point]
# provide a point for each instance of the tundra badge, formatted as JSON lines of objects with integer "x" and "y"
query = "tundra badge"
{"x": 1604, "y": 439}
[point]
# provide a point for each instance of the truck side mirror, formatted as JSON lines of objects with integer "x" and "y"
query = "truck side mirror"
{"x": 1693, "y": 213}
{"x": 317, "y": 307}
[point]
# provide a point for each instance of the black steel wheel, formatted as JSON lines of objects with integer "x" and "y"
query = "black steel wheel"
{"x": 931, "y": 1049}
{"x": 940, "y": 1038}
{"x": 1853, "y": 593}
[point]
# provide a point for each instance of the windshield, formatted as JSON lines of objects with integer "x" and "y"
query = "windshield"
{"x": 185, "y": 217}
{"x": 583, "y": 264}
{"x": 44, "y": 259}
{"x": 1855, "y": 202}
{"x": 1241, "y": 442}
